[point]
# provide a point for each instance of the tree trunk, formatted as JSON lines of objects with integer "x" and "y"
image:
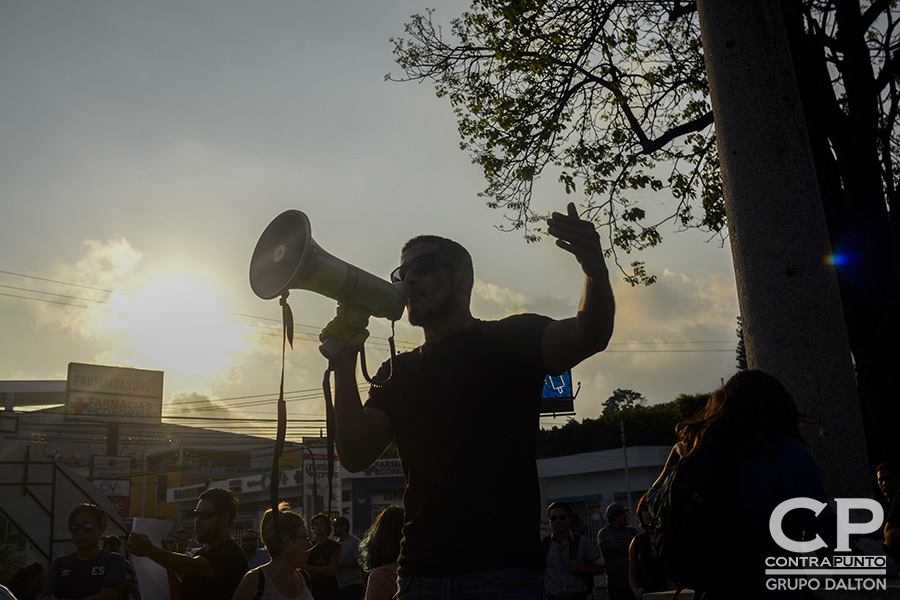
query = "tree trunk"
{"x": 790, "y": 304}
{"x": 845, "y": 151}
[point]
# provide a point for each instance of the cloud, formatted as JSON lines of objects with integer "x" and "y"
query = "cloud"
{"x": 492, "y": 301}
{"x": 674, "y": 337}
{"x": 91, "y": 279}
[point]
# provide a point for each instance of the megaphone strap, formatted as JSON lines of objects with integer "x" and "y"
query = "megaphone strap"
{"x": 362, "y": 362}
{"x": 287, "y": 317}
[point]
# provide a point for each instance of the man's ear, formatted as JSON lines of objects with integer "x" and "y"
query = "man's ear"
{"x": 464, "y": 281}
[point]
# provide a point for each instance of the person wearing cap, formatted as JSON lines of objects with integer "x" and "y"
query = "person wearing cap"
{"x": 614, "y": 540}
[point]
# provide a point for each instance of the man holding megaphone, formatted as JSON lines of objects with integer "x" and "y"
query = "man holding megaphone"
{"x": 463, "y": 409}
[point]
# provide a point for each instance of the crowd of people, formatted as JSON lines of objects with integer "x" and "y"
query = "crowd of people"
{"x": 471, "y": 395}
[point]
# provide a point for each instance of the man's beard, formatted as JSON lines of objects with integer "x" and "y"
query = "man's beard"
{"x": 434, "y": 315}
{"x": 207, "y": 536}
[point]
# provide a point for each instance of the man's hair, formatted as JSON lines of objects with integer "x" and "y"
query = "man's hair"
{"x": 452, "y": 252}
{"x": 342, "y": 522}
{"x": 98, "y": 513}
{"x": 321, "y": 515}
{"x": 223, "y": 500}
{"x": 112, "y": 539}
{"x": 561, "y": 505}
{"x": 888, "y": 466}
{"x": 253, "y": 531}
{"x": 184, "y": 531}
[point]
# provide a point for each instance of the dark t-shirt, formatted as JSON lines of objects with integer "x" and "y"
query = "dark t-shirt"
{"x": 71, "y": 577}
{"x": 464, "y": 412}
{"x": 230, "y": 564}
{"x": 323, "y": 587}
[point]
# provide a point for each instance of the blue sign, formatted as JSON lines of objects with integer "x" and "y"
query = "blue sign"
{"x": 558, "y": 386}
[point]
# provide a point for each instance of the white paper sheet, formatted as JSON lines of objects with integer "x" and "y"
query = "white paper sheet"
{"x": 152, "y": 578}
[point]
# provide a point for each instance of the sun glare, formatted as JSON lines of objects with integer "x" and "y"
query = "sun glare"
{"x": 180, "y": 326}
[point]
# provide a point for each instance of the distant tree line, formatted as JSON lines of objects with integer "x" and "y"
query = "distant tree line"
{"x": 644, "y": 425}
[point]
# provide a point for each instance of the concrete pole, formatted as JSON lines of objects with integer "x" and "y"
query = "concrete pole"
{"x": 627, "y": 480}
{"x": 788, "y": 294}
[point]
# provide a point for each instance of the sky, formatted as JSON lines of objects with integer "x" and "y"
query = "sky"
{"x": 146, "y": 146}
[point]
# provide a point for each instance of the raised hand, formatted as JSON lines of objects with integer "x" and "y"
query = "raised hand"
{"x": 574, "y": 234}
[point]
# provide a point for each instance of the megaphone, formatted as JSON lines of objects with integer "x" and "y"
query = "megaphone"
{"x": 286, "y": 257}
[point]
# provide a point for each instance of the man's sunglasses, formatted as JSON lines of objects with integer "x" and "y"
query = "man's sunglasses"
{"x": 205, "y": 514}
{"x": 85, "y": 527}
{"x": 555, "y": 518}
{"x": 420, "y": 266}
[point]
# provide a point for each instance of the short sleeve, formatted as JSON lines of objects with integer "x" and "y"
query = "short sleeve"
{"x": 51, "y": 583}
{"x": 115, "y": 574}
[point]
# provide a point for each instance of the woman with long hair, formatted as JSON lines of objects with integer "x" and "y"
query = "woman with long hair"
{"x": 748, "y": 439}
{"x": 285, "y": 536}
{"x": 380, "y": 550}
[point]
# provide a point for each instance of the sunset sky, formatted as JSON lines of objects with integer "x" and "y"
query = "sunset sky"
{"x": 147, "y": 145}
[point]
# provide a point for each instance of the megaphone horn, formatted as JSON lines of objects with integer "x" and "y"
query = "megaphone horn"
{"x": 286, "y": 257}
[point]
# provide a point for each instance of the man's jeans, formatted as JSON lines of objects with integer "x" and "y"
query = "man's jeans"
{"x": 503, "y": 584}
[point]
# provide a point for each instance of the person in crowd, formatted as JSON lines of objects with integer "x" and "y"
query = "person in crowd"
{"x": 324, "y": 559}
{"x": 571, "y": 558}
{"x": 28, "y": 582}
{"x": 578, "y": 524}
{"x": 215, "y": 570}
{"x": 888, "y": 477}
{"x": 471, "y": 391}
{"x": 5, "y": 594}
{"x": 90, "y": 572}
{"x": 284, "y": 534}
{"x": 130, "y": 591}
{"x": 754, "y": 420}
{"x": 646, "y": 572}
{"x": 349, "y": 573}
{"x": 379, "y": 551}
{"x": 256, "y": 556}
{"x": 179, "y": 542}
{"x": 614, "y": 540}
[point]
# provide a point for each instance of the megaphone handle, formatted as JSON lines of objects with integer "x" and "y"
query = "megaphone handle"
{"x": 331, "y": 347}
{"x": 357, "y": 317}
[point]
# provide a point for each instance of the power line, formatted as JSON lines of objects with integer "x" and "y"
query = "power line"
{"x": 275, "y": 331}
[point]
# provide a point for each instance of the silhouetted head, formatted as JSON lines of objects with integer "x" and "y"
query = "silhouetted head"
{"x": 752, "y": 410}
{"x": 381, "y": 545}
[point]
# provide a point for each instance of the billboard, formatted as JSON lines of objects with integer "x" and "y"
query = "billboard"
{"x": 113, "y": 394}
{"x": 557, "y": 396}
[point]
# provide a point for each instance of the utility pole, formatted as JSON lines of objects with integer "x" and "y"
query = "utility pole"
{"x": 790, "y": 305}
{"x": 627, "y": 480}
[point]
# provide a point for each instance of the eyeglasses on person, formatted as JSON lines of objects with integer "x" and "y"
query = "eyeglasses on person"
{"x": 203, "y": 515}
{"x": 421, "y": 265}
{"x": 85, "y": 527}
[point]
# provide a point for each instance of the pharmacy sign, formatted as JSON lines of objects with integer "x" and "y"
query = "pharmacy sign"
{"x": 117, "y": 394}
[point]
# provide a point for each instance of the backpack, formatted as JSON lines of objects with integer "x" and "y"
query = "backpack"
{"x": 261, "y": 585}
{"x": 573, "y": 555}
{"x": 692, "y": 510}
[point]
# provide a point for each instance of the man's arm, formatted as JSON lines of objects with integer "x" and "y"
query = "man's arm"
{"x": 361, "y": 434}
{"x": 567, "y": 342}
{"x": 593, "y": 562}
{"x": 609, "y": 543}
{"x": 196, "y": 566}
{"x": 329, "y": 569}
